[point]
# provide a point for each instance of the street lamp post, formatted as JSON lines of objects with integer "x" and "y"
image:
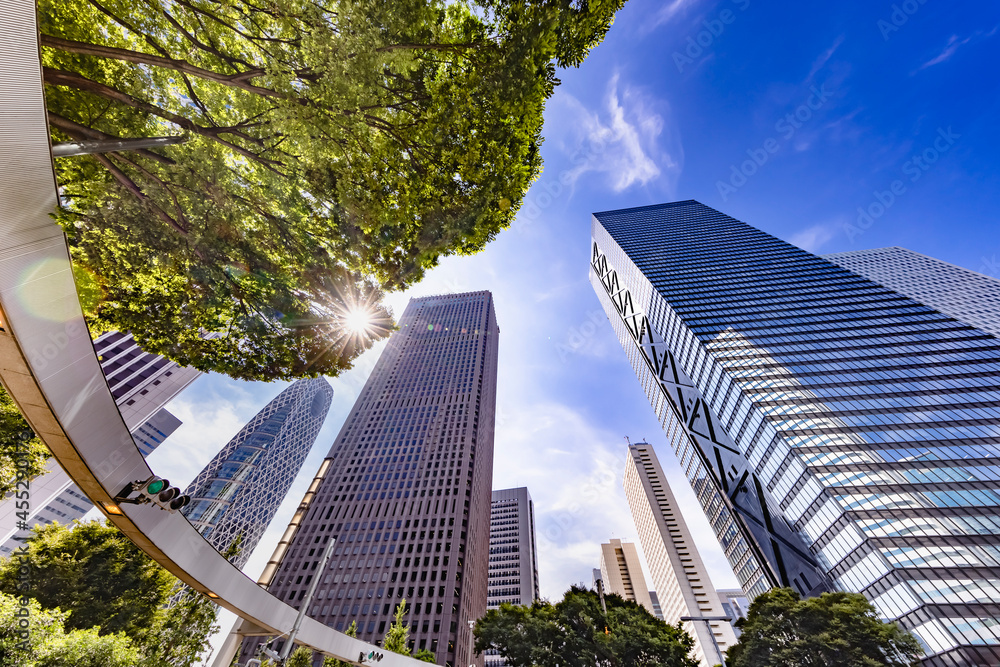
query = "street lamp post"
{"x": 708, "y": 621}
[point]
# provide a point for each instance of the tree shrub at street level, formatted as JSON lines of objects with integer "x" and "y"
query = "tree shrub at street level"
{"x": 47, "y": 644}
{"x": 95, "y": 573}
{"x": 397, "y": 636}
{"x": 335, "y": 149}
{"x": 840, "y": 629}
{"x": 576, "y": 633}
{"x": 103, "y": 583}
{"x": 22, "y": 454}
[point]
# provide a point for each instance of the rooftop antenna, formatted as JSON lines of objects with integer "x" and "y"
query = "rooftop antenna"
{"x": 627, "y": 440}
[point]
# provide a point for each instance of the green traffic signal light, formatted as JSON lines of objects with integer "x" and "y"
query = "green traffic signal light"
{"x": 156, "y": 485}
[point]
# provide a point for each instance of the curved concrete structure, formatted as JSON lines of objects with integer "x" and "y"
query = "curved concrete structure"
{"x": 48, "y": 364}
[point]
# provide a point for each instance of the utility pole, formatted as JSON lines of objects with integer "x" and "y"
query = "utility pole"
{"x": 306, "y": 601}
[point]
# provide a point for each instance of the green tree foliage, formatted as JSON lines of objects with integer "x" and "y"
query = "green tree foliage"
{"x": 22, "y": 454}
{"x": 300, "y": 657}
{"x": 96, "y": 574}
{"x": 335, "y": 149}
{"x": 840, "y": 629}
{"x": 47, "y": 644}
{"x": 180, "y": 634}
{"x": 398, "y": 635}
{"x": 572, "y": 633}
{"x": 425, "y": 655}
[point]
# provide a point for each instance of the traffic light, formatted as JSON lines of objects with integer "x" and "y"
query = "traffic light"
{"x": 159, "y": 492}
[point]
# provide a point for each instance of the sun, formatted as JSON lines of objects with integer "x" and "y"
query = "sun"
{"x": 358, "y": 320}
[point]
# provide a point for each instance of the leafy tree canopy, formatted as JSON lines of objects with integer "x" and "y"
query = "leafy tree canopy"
{"x": 575, "y": 632}
{"x": 22, "y": 454}
{"x": 47, "y": 644}
{"x": 833, "y": 629}
{"x": 96, "y": 574}
{"x": 335, "y": 149}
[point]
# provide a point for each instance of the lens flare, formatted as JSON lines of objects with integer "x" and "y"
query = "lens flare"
{"x": 358, "y": 320}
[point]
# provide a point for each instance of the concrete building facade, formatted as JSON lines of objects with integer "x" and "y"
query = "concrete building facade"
{"x": 621, "y": 572}
{"x": 683, "y": 586}
{"x": 406, "y": 488}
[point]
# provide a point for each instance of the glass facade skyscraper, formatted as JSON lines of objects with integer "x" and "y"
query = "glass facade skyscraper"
{"x": 238, "y": 492}
{"x": 955, "y": 291}
{"x": 406, "y": 489}
{"x": 838, "y": 434}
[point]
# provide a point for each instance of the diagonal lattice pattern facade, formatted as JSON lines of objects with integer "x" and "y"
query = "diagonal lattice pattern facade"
{"x": 838, "y": 433}
{"x": 238, "y": 492}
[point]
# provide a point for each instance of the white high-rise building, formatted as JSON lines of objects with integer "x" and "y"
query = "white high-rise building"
{"x": 141, "y": 383}
{"x": 513, "y": 573}
{"x": 679, "y": 576}
{"x": 621, "y": 571}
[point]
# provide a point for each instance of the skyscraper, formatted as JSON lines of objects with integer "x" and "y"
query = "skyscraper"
{"x": 141, "y": 383}
{"x": 621, "y": 572}
{"x": 406, "y": 488}
{"x": 238, "y": 492}
{"x": 837, "y": 433}
{"x": 683, "y": 586}
{"x": 513, "y": 566}
{"x": 957, "y": 292}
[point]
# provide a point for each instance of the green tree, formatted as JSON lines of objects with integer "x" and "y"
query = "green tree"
{"x": 181, "y": 631}
{"x": 46, "y": 644}
{"x": 96, "y": 574}
{"x": 88, "y": 648}
{"x": 300, "y": 657}
{"x": 22, "y": 454}
{"x": 840, "y": 629}
{"x": 352, "y": 631}
{"x": 397, "y": 636}
{"x": 334, "y": 149}
{"x": 576, "y": 632}
{"x": 425, "y": 655}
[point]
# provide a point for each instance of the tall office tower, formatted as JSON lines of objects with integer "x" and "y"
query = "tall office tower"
{"x": 837, "y": 433}
{"x": 513, "y": 568}
{"x": 683, "y": 586}
{"x": 513, "y": 571}
{"x": 621, "y": 572}
{"x": 236, "y": 495}
{"x": 141, "y": 384}
{"x": 406, "y": 488}
{"x": 657, "y": 609}
{"x": 735, "y": 605}
{"x": 959, "y": 293}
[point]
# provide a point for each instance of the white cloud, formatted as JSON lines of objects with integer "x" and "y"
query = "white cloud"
{"x": 954, "y": 44}
{"x": 815, "y": 237}
{"x": 667, "y": 13}
{"x": 622, "y": 140}
{"x": 825, "y": 57}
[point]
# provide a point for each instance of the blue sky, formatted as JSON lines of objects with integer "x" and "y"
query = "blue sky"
{"x": 790, "y": 116}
